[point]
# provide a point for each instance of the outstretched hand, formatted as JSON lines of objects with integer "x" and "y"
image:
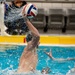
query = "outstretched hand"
{"x": 49, "y": 53}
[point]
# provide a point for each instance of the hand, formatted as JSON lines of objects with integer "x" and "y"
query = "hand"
{"x": 24, "y": 15}
{"x": 23, "y": 12}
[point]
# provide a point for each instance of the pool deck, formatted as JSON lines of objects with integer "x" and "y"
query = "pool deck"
{"x": 44, "y": 39}
{"x": 50, "y": 38}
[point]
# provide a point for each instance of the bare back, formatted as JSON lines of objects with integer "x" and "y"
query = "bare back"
{"x": 28, "y": 60}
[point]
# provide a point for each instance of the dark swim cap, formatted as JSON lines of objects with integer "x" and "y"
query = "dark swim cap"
{"x": 29, "y": 37}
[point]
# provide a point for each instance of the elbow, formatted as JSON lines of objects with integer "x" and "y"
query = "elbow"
{"x": 38, "y": 37}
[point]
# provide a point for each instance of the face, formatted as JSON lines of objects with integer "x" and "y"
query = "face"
{"x": 18, "y": 1}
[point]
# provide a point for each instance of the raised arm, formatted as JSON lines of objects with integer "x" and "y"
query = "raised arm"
{"x": 35, "y": 35}
{"x": 50, "y": 54}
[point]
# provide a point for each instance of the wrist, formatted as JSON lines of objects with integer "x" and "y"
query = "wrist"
{"x": 26, "y": 19}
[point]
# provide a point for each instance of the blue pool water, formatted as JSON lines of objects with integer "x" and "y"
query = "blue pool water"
{"x": 10, "y": 55}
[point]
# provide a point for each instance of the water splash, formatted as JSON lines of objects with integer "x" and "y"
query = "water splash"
{"x": 8, "y": 71}
{"x": 71, "y": 72}
{"x": 13, "y": 72}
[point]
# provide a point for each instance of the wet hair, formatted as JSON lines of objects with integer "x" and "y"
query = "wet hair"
{"x": 29, "y": 37}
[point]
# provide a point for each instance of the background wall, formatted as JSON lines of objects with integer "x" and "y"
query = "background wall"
{"x": 48, "y": 6}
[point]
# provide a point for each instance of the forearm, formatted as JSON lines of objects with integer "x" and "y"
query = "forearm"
{"x": 52, "y": 57}
{"x": 32, "y": 28}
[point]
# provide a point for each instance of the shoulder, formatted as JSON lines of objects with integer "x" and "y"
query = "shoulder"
{"x": 7, "y": 6}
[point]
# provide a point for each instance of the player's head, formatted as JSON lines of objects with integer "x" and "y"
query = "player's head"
{"x": 29, "y": 37}
{"x": 19, "y": 1}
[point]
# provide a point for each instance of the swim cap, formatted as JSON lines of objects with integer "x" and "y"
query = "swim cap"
{"x": 29, "y": 37}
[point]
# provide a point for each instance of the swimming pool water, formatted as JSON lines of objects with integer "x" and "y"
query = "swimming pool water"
{"x": 10, "y": 55}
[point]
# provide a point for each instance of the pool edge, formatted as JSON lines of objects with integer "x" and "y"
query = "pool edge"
{"x": 53, "y": 40}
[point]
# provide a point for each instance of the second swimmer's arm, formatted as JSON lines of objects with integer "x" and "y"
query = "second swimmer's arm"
{"x": 52, "y": 57}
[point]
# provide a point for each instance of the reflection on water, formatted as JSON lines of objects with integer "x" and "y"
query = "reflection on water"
{"x": 4, "y": 47}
